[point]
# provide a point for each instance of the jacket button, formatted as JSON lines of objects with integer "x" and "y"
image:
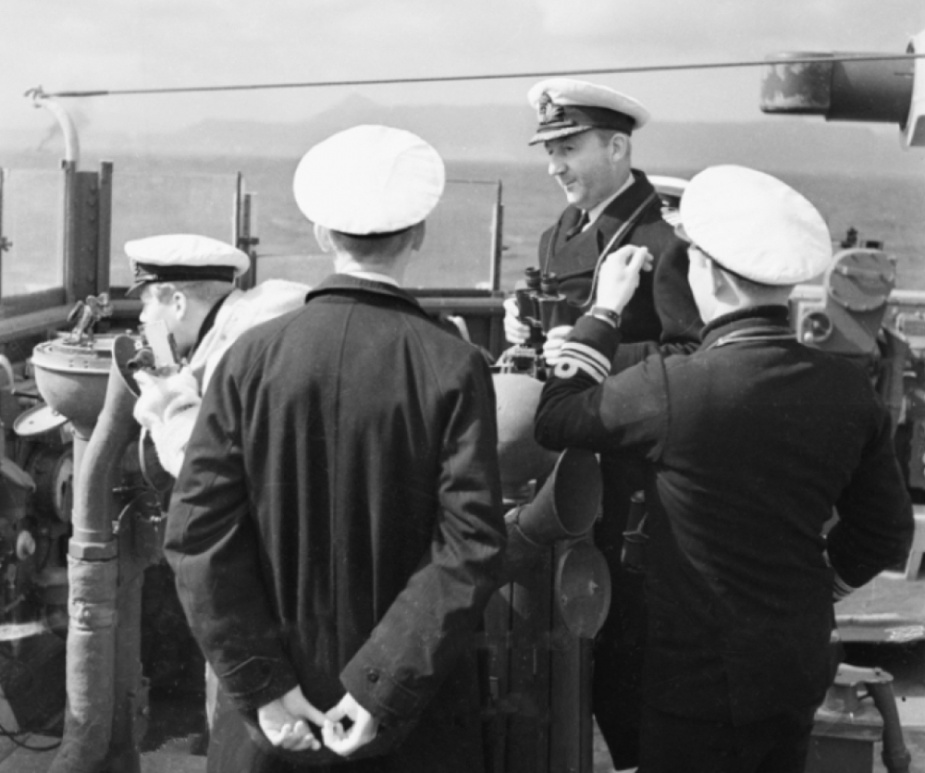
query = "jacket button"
{"x": 373, "y": 676}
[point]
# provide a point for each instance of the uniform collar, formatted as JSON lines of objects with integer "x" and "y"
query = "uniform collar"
{"x": 753, "y": 317}
{"x": 209, "y": 322}
{"x": 375, "y": 276}
{"x": 626, "y": 201}
{"x": 340, "y": 283}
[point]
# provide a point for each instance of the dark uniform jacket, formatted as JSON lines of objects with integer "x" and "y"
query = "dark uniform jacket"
{"x": 337, "y": 523}
{"x": 662, "y": 309}
{"x": 750, "y": 445}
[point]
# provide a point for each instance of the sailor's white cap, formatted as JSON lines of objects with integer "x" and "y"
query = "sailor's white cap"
{"x": 183, "y": 258}
{"x": 369, "y": 180}
{"x": 755, "y": 225}
{"x": 567, "y": 106}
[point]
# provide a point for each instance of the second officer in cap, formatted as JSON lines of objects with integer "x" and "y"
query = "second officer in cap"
{"x": 337, "y": 530}
{"x": 186, "y": 282}
{"x": 750, "y": 443}
{"x": 586, "y": 130}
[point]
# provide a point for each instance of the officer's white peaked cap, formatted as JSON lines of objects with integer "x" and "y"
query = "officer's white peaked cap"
{"x": 567, "y": 106}
{"x": 369, "y": 180}
{"x": 755, "y": 225}
{"x": 183, "y": 257}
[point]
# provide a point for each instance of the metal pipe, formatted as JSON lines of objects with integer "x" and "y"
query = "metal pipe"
{"x": 895, "y": 754}
{"x": 93, "y": 573}
{"x": 68, "y": 129}
{"x": 838, "y": 87}
{"x": 69, "y": 167}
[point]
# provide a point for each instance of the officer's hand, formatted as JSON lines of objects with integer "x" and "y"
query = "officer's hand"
{"x": 361, "y": 732}
{"x": 159, "y": 394}
{"x": 619, "y": 276}
{"x": 552, "y": 348}
{"x": 515, "y": 331}
{"x": 285, "y": 722}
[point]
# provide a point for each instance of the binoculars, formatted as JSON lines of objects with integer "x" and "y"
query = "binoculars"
{"x": 540, "y": 305}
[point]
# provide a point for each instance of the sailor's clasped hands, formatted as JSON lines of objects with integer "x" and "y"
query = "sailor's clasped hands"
{"x": 285, "y": 722}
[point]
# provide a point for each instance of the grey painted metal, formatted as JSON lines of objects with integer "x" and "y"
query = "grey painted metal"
{"x": 497, "y": 240}
{"x": 93, "y": 575}
{"x": 839, "y": 89}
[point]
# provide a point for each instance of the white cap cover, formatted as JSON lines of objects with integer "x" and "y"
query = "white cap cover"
{"x": 369, "y": 180}
{"x": 567, "y": 106}
{"x": 755, "y": 225}
{"x": 183, "y": 257}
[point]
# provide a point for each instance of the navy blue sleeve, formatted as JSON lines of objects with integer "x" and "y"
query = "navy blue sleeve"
{"x": 583, "y": 407}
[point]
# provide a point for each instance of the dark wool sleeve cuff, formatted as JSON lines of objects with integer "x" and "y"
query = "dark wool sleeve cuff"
{"x": 379, "y": 693}
{"x": 258, "y": 681}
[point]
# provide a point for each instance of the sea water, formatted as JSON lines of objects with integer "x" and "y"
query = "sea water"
{"x": 153, "y": 195}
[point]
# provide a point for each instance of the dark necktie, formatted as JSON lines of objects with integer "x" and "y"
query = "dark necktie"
{"x": 579, "y": 225}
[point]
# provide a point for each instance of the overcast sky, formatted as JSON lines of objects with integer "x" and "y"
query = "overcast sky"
{"x": 128, "y": 44}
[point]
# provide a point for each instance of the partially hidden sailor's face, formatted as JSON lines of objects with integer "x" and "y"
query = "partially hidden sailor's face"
{"x": 587, "y": 166}
{"x": 702, "y": 281}
{"x": 159, "y": 304}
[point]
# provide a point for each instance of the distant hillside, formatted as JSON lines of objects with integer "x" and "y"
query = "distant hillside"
{"x": 500, "y": 133}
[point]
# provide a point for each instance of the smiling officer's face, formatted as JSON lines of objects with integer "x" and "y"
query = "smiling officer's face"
{"x": 588, "y": 166}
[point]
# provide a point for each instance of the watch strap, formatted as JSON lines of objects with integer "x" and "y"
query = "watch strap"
{"x": 605, "y": 314}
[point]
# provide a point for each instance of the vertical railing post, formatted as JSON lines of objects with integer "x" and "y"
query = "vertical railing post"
{"x": 243, "y": 230}
{"x": 104, "y": 228}
{"x": 70, "y": 228}
{"x": 4, "y": 242}
{"x": 497, "y": 240}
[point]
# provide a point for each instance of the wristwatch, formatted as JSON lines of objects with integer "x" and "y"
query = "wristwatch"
{"x": 604, "y": 314}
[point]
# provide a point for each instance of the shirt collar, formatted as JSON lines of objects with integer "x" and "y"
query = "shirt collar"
{"x": 349, "y": 283}
{"x": 374, "y": 276}
{"x": 209, "y": 322}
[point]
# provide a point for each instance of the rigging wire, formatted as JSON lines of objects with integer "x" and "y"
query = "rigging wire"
{"x": 38, "y": 92}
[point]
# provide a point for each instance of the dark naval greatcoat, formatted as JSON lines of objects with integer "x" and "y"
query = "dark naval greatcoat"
{"x": 749, "y": 446}
{"x": 337, "y": 524}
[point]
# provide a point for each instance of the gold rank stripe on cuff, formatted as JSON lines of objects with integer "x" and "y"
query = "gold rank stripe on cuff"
{"x": 578, "y": 357}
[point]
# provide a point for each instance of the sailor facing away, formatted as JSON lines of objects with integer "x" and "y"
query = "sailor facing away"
{"x": 336, "y": 529}
{"x": 750, "y": 444}
{"x": 187, "y": 281}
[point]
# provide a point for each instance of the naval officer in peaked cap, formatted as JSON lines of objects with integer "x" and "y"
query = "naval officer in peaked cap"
{"x": 586, "y": 130}
{"x": 749, "y": 443}
{"x": 187, "y": 281}
{"x": 345, "y": 471}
